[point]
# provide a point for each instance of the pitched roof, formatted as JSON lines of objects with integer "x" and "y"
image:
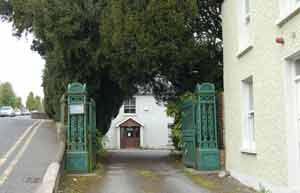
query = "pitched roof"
{"x": 130, "y": 122}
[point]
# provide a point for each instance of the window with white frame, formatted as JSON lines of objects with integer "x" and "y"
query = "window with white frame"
{"x": 297, "y": 94}
{"x": 247, "y": 11}
{"x": 287, "y": 6}
{"x": 130, "y": 106}
{"x": 244, "y": 20}
{"x": 248, "y": 141}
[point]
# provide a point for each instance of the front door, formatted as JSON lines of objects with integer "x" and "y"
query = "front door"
{"x": 130, "y": 137}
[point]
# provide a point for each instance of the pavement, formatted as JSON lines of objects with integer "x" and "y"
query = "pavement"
{"x": 27, "y": 147}
{"x": 141, "y": 171}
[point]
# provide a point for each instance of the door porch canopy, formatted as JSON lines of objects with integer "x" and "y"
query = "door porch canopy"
{"x": 129, "y": 122}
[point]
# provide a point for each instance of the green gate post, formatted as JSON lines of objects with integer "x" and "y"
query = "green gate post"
{"x": 207, "y": 142}
{"x": 92, "y": 134}
{"x": 188, "y": 133}
{"x": 78, "y": 153}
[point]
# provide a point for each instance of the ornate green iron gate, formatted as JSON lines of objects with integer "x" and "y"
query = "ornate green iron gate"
{"x": 199, "y": 130}
{"x": 81, "y": 129}
{"x": 207, "y": 142}
{"x": 188, "y": 133}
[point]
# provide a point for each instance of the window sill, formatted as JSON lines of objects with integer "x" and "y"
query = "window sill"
{"x": 243, "y": 51}
{"x": 284, "y": 19}
{"x": 248, "y": 151}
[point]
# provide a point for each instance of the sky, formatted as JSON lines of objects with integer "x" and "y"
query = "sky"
{"x": 18, "y": 64}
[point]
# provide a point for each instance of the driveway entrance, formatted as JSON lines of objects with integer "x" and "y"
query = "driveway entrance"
{"x": 143, "y": 171}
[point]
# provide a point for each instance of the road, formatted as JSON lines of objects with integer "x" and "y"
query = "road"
{"x": 138, "y": 171}
{"x": 27, "y": 147}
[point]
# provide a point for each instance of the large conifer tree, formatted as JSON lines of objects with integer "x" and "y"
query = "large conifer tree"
{"x": 119, "y": 46}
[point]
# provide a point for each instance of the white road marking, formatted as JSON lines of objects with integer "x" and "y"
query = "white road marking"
{"x": 12, "y": 165}
{"x": 13, "y": 148}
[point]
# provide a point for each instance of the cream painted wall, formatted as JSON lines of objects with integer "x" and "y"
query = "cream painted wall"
{"x": 152, "y": 116}
{"x": 265, "y": 62}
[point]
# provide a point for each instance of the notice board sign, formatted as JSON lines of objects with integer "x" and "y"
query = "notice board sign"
{"x": 76, "y": 109}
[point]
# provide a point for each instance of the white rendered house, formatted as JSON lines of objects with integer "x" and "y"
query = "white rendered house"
{"x": 262, "y": 92}
{"x": 141, "y": 123}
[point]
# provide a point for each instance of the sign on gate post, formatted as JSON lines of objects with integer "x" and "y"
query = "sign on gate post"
{"x": 79, "y": 157}
{"x": 206, "y": 124}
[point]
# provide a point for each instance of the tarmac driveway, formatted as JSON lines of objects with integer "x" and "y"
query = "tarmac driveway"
{"x": 144, "y": 171}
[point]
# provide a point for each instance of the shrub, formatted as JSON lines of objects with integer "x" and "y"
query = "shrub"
{"x": 262, "y": 189}
{"x": 100, "y": 142}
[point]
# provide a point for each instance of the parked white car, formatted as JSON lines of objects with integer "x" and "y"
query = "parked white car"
{"x": 25, "y": 111}
{"x": 7, "y": 111}
{"x": 18, "y": 112}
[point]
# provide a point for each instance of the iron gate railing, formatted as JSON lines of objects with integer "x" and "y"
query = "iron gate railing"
{"x": 188, "y": 133}
{"x": 78, "y": 112}
{"x": 199, "y": 129}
